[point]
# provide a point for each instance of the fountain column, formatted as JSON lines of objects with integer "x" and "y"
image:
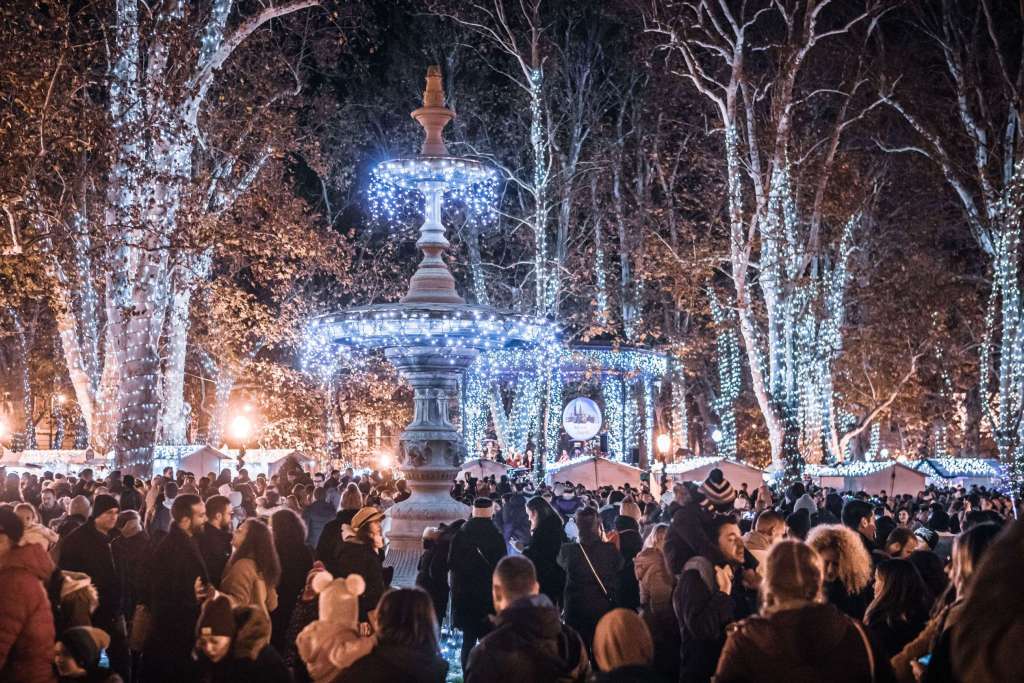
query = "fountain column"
{"x": 430, "y": 448}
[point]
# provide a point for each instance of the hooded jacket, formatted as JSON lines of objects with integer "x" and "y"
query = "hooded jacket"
{"x": 26, "y": 621}
{"x": 529, "y": 643}
{"x": 252, "y": 658}
{"x": 811, "y": 643}
{"x": 327, "y": 649}
{"x": 656, "y": 582}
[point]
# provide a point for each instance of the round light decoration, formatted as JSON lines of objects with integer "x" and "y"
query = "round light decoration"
{"x": 581, "y": 419}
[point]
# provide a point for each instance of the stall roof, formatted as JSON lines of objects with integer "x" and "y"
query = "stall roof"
{"x": 594, "y": 472}
{"x": 953, "y": 468}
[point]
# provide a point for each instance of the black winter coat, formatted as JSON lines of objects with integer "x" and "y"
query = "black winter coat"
{"x": 359, "y": 558}
{"x": 545, "y": 543}
{"x": 87, "y": 550}
{"x": 396, "y": 663}
{"x": 630, "y": 544}
{"x": 330, "y": 536}
{"x": 130, "y": 553}
{"x": 703, "y": 612}
{"x": 585, "y": 600}
{"x": 295, "y": 565}
{"x": 173, "y": 568}
{"x": 529, "y": 643}
{"x": 432, "y": 570}
{"x": 475, "y": 551}
{"x": 215, "y": 547}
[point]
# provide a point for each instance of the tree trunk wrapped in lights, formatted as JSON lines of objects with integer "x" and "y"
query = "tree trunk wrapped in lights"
{"x": 1002, "y": 349}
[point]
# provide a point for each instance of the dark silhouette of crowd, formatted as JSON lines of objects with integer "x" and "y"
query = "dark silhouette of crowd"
{"x": 227, "y": 577}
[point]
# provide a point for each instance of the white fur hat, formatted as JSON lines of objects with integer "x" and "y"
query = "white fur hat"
{"x": 339, "y": 599}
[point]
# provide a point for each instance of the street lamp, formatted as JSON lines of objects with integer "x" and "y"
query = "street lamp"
{"x": 241, "y": 429}
{"x": 664, "y": 442}
{"x": 716, "y": 435}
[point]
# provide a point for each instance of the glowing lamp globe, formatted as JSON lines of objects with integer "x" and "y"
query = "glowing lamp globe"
{"x": 716, "y": 436}
{"x": 241, "y": 427}
{"x": 664, "y": 443}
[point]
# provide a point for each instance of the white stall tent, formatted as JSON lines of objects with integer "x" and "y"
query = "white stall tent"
{"x": 735, "y": 472}
{"x": 594, "y": 472}
{"x": 894, "y": 478}
{"x": 204, "y": 460}
{"x": 482, "y": 467}
{"x": 307, "y": 463}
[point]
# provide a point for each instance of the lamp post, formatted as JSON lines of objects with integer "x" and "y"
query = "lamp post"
{"x": 241, "y": 429}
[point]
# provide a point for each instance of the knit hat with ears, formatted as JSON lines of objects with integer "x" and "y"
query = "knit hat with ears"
{"x": 339, "y": 599}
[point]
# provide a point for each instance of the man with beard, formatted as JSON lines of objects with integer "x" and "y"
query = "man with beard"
{"x": 215, "y": 540}
{"x": 178, "y": 584}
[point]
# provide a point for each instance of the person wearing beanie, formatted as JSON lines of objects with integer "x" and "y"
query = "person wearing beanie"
{"x": 88, "y": 550}
{"x": 331, "y": 643}
{"x": 358, "y": 553}
{"x": 475, "y": 551}
{"x": 805, "y": 502}
{"x": 234, "y": 645}
{"x": 623, "y": 649}
{"x": 796, "y": 636}
{"x": 718, "y": 492}
{"x": 77, "y": 656}
{"x": 26, "y": 619}
{"x": 78, "y": 513}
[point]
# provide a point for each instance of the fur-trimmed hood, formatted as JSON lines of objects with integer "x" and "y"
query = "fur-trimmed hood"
{"x": 253, "y": 634}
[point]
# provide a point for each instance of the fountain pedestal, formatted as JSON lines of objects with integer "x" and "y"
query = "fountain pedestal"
{"x": 430, "y": 452}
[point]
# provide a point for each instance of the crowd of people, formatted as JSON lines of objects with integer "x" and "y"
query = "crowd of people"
{"x": 285, "y": 578}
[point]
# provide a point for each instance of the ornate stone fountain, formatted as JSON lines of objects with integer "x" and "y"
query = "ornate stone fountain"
{"x": 431, "y": 336}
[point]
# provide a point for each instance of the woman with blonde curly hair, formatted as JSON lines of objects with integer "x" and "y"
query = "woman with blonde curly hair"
{"x": 797, "y": 636}
{"x": 847, "y": 567}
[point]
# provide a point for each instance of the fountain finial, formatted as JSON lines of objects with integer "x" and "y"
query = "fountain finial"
{"x": 433, "y": 116}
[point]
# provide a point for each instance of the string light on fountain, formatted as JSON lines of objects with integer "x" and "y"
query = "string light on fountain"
{"x": 397, "y": 186}
{"x": 431, "y": 336}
